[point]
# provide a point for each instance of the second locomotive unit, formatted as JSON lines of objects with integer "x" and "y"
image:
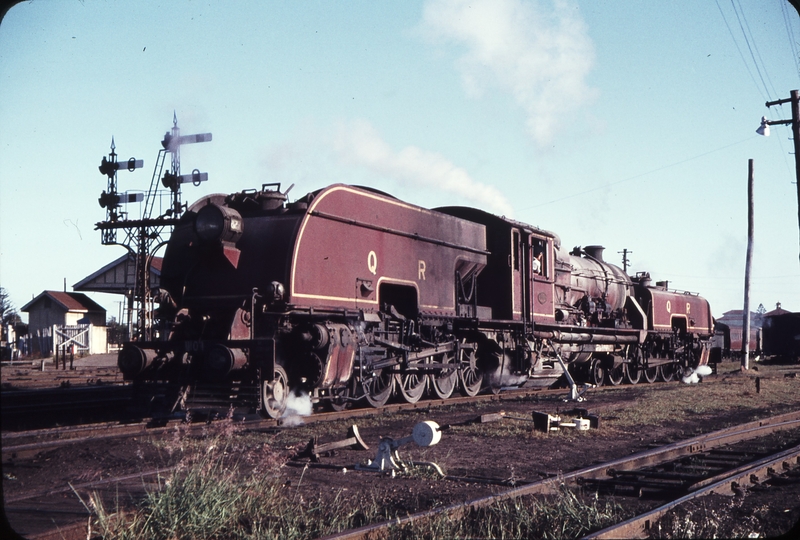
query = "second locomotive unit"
{"x": 350, "y": 294}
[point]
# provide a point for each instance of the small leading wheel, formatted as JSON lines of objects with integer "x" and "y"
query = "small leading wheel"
{"x": 411, "y": 384}
{"x": 444, "y": 382}
{"x": 597, "y": 374}
{"x": 650, "y": 374}
{"x": 616, "y": 374}
{"x": 468, "y": 373}
{"x": 274, "y": 394}
{"x": 633, "y": 373}
{"x": 378, "y": 387}
{"x": 667, "y": 372}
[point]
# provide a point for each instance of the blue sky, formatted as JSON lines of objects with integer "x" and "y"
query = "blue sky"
{"x": 626, "y": 124}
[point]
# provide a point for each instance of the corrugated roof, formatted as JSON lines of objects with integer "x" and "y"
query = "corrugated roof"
{"x": 74, "y": 302}
{"x": 155, "y": 268}
{"x": 776, "y": 312}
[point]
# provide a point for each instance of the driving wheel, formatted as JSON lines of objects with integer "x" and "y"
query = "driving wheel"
{"x": 444, "y": 382}
{"x": 616, "y": 374}
{"x": 378, "y": 387}
{"x": 411, "y": 384}
{"x": 470, "y": 376}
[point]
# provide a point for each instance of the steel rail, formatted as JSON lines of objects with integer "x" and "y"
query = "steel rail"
{"x": 551, "y": 485}
{"x": 24, "y": 450}
{"x": 71, "y": 435}
{"x": 724, "y": 484}
{"x": 86, "y": 485}
{"x": 123, "y": 430}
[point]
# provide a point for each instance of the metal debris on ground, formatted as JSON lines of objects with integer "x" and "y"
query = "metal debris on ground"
{"x": 581, "y": 420}
{"x": 313, "y": 450}
{"x": 427, "y": 433}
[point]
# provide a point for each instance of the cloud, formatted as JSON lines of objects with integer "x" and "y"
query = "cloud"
{"x": 541, "y": 58}
{"x": 358, "y": 143}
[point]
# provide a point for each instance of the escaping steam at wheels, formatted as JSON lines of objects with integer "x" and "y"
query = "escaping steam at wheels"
{"x": 351, "y": 295}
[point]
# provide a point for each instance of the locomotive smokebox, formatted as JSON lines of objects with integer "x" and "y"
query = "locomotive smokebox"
{"x": 595, "y": 252}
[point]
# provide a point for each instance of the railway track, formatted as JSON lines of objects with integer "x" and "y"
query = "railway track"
{"x": 23, "y": 444}
{"x": 38, "y": 408}
{"x": 28, "y": 442}
{"x": 43, "y": 374}
{"x": 26, "y": 409}
{"x": 729, "y": 483}
{"x": 77, "y": 398}
{"x": 725, "y": 480}
{"x": 66, "y": 507}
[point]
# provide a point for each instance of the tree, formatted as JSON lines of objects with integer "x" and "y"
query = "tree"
{"x": 8, "y": 314}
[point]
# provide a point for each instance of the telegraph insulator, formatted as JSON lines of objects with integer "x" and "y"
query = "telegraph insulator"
{"x": 108, "y": 200}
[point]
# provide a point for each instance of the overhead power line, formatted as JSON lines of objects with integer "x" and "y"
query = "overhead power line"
{"x": 751, "y": 47}
{"x": 634, "y": 177}
{"x": 790, "y": 34}
{"x": 736, "y": 43}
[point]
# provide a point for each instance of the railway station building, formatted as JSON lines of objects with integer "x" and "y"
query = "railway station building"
{"x": 68, "y": 319}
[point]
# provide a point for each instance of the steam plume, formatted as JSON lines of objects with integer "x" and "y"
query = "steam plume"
{"x": 541, "y": 57}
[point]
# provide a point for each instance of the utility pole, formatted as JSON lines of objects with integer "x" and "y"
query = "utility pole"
{"x": 795, "y": 123}
{"x": 748, "y": 263}
{"x": 625, "y": 261}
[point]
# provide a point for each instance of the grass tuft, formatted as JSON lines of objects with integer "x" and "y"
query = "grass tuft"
{"x": 221, "y": 490}
{"x": 565, "y": 515}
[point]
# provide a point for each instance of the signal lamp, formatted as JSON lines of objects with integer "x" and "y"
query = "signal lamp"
{"x": 108, "y": 200}
{"x": 170, "y": 181}
{"x": 167, "y": 140}
{"x": 108, "y": 168}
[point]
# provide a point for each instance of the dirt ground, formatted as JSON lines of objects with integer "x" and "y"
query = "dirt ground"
{"x": 632, "y": 418}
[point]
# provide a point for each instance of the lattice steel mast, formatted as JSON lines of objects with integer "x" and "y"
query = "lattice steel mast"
{"x": 143, "y": 237}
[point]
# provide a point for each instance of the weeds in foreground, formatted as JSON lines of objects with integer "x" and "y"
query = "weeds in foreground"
{"x": 219, "y": 490}
{"x": 701, "y": 521}
{"x": 563, "y": 515}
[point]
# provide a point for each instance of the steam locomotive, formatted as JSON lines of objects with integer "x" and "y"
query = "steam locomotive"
{"x": 349, "y": 294}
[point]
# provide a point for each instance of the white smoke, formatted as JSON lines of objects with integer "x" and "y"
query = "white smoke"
{"x": 359, "y": 143}
{"x": 540, "y": 56}
{"x": 690, "y": 377}
{"x": 703, "y": 371}
{"x": 298, "y": 405}
{"x": 693, "y": 376}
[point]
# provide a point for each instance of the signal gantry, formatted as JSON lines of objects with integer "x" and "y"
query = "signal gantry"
{"x": 145, "y": 236}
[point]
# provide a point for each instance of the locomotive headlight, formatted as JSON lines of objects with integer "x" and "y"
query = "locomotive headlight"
{"x": 218, "y": 223}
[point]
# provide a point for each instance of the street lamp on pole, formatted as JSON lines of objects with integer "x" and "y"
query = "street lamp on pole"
{"x": 795, "y": 123}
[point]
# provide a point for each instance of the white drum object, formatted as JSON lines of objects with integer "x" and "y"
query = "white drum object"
{"x": 582, "y": 424}
{"x": 426, "y": 433}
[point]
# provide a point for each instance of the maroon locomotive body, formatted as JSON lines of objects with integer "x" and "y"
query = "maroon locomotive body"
{"x": 350, "y": 294}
